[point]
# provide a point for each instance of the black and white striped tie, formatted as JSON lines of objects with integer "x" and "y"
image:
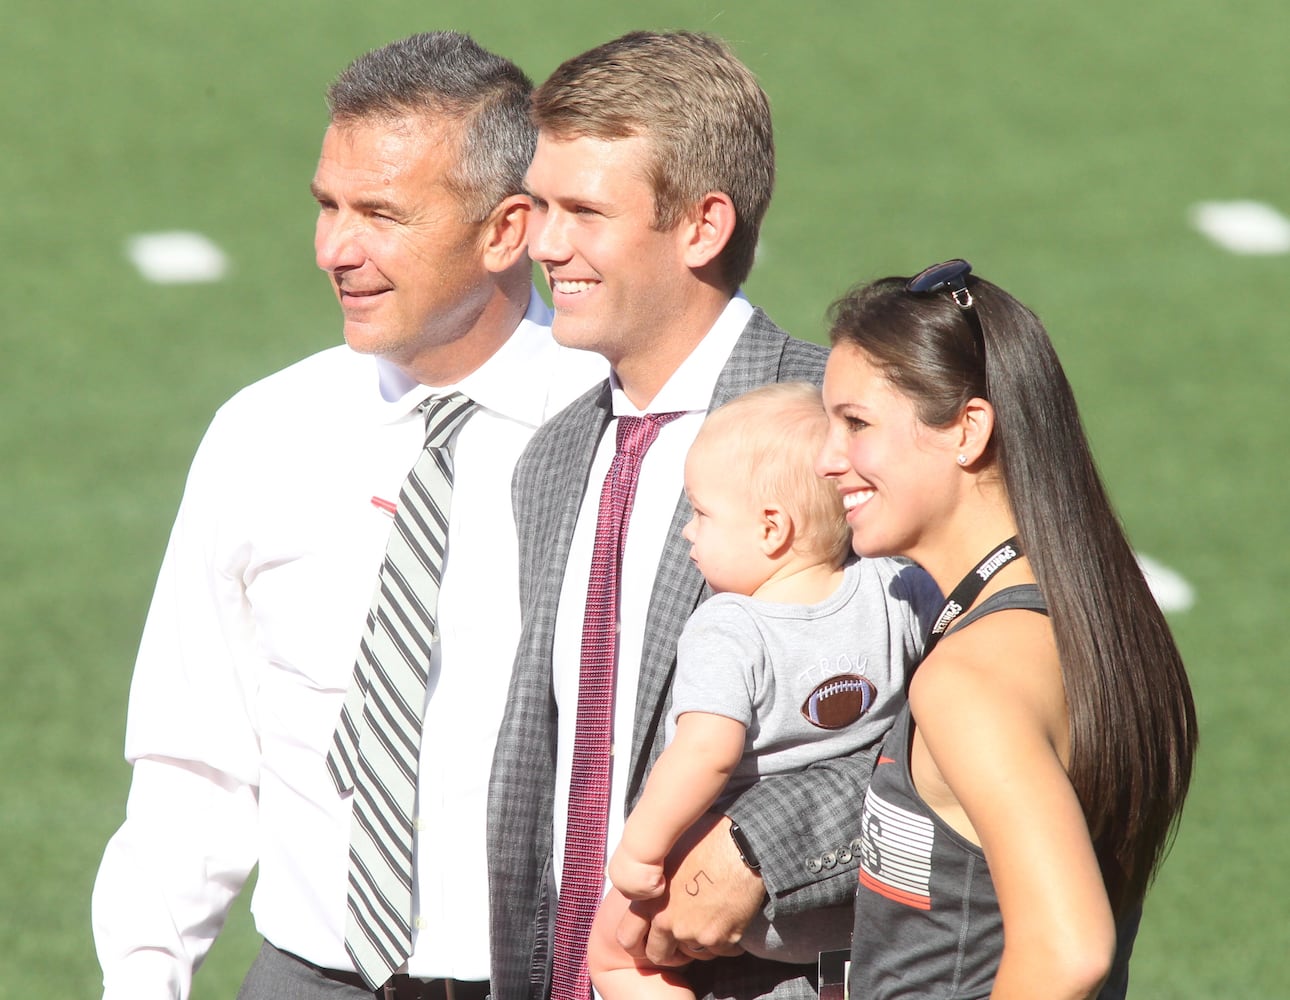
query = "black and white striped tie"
{"x": 378, "y": 738}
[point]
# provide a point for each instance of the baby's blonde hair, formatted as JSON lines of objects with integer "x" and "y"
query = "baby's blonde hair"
{"x": 770, "y": 437}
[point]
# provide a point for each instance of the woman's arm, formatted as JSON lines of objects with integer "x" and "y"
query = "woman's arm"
{"x": 991, "y": 725}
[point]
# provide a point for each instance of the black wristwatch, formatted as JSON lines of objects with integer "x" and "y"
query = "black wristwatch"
{"x": 746, "y": 854}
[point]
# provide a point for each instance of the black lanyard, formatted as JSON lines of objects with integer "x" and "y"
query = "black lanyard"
{"x": 969, "y": 587}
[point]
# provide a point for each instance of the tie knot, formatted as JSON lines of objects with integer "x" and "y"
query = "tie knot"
{"x": 636, "y": 434}
{"x": 444, "y": 415}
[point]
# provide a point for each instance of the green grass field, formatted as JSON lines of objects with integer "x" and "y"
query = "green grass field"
{"x": 1058, "y": 146}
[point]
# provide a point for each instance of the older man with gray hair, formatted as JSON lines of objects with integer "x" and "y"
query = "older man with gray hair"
{"x": 281, "y": 713}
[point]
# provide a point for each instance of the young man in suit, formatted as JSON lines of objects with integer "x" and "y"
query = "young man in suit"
{"x": 653, "y": 171}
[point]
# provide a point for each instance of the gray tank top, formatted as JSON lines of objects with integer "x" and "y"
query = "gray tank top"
{"x": 927, "y": 920}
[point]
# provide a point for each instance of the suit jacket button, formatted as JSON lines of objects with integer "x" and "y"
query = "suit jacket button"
{"x": 830, "y": 859}
{"x": 845, "y": 856}
{"x": 814, "y": 865}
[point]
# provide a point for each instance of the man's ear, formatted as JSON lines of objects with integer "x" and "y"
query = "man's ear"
{"x": 504, "y": 240}
{"x": 708, "y": 228}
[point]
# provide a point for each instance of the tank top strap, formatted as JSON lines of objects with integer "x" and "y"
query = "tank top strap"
{"x": 1023, "y": 597}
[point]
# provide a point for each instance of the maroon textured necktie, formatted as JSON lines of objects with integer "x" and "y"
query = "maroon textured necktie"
{"x": 582, "y": 880}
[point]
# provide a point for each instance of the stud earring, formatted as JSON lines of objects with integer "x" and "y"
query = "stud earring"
{"x": 962, "y": 460}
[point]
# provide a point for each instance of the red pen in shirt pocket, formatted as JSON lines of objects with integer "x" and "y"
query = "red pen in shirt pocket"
{"x": 389, "y": 506}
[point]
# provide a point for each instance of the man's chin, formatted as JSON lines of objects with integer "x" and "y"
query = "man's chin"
{"x": 576, "y": 332}
{"x": 362, "y": 338}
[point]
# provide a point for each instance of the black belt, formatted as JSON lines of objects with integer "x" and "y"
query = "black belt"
{"x": 401, "y": 986}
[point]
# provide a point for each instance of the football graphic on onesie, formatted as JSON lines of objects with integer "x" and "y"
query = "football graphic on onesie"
{"x": 839, "y": 701}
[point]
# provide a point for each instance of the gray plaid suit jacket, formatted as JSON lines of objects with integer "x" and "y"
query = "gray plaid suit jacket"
{"x": 802, "y": 826}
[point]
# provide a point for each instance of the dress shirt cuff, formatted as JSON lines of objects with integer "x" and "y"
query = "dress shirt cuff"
{"x": 147, "y": 975}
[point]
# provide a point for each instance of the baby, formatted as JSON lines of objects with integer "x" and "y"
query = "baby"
{"x": 799, "y": 656}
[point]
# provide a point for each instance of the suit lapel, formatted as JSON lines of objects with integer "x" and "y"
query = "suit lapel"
{"x": 589, "y": 421}
{"x": 553, "y": 504}
{"x": 754, "y": 360}
{"x": 678, "y": 585}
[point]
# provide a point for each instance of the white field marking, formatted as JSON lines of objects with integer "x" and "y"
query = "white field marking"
{"x": 176, "y": 258}
{"x": 1245, "y": 227}
{"x": 1170, "y": 590}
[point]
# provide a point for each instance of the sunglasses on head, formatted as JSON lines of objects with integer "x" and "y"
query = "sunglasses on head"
{"x": 951, "y": 276}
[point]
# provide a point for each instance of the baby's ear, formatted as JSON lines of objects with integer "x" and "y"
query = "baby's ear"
{"x": 776, "y": 531}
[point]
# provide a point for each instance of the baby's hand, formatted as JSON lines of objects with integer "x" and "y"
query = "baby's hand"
{"x": 635, "y": 879}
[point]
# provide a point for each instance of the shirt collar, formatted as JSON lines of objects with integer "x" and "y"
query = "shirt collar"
{"x": 690, "y": 387}
{"x": 505, "y": 383}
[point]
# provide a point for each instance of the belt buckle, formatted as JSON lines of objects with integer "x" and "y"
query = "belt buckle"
{"x": 402, "y": 986}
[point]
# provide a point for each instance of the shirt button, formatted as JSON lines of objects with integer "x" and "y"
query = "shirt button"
{"x": 418, "y": 824}
{"x": 419, "y": 923}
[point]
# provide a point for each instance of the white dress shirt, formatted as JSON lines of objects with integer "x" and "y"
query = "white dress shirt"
{"x": 659, "y": 488}
{"x": 249, "y": 648}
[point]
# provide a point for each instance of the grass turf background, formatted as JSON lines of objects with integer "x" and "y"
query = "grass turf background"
{"x": 1057, "y": 146}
